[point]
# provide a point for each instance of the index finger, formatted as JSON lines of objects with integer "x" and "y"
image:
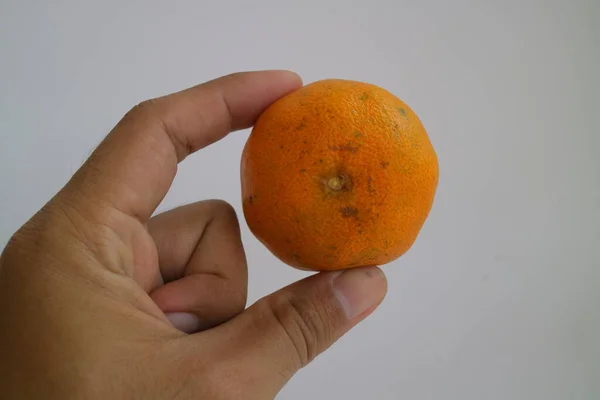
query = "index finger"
{"x": 133, "y": 168}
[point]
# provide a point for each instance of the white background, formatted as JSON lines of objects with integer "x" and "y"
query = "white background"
{"x": 500, "y": 296}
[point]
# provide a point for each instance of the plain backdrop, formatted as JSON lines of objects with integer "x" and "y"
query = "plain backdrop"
{"x": 500, "y": 296}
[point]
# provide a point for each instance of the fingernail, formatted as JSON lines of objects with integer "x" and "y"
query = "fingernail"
{"x": 185, "y": 322}
{"x": 359, "y": 289}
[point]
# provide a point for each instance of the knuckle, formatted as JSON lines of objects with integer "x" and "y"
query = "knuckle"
{"x": 224, "y": 210}
{"x": 138, "y": 112}
{"x": 14, "y": 246}
{"x": 155, "y": 112}
{"x": 143, "y": 108}
{"x": 222, "y": 206}
{"x": 41, "y": 241}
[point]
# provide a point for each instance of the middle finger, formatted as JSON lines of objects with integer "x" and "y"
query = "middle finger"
{"x": 203, "y": 263}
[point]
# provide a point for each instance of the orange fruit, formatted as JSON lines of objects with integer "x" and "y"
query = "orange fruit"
{"x": 336, "y": 175}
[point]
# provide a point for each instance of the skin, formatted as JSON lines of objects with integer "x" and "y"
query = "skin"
{"x": 349, "y": 181}
{"x": 99, "y": 299}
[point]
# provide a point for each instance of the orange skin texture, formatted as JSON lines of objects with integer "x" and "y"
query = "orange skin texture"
{"x": 336, "y": 175}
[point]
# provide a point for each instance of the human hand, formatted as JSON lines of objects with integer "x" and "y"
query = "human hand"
{"x": 98, "y": 299}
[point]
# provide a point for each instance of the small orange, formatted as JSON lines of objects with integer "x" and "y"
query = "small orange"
{"x": 336, "y": 175}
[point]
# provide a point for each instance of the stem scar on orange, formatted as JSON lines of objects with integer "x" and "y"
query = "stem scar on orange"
{"x": 336, "y": 175}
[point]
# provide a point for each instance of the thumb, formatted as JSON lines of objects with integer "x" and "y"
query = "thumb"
{"x": 283, "y": 332}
